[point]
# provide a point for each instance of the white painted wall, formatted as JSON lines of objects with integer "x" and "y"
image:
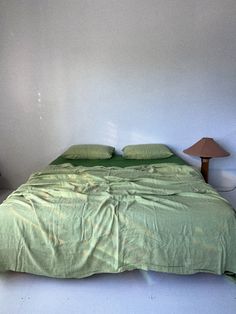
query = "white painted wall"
{"x": 115, "y": 72}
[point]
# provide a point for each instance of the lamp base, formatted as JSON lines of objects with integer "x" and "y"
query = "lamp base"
{"x": 205, "y": 167}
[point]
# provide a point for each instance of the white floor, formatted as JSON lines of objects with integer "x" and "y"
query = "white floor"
{"x": 131, "y": 292}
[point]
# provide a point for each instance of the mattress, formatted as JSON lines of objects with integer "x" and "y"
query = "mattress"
{"x": 73, "y": 221}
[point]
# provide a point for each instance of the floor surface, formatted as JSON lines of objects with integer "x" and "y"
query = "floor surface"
{"x": 132, "y": 292}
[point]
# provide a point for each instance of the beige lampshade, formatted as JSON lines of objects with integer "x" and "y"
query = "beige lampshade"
{"x": 207, "y": 148}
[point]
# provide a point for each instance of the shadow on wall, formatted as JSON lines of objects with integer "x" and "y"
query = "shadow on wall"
{"x": 112, "y": 134}
{"x": 4, "y": 182}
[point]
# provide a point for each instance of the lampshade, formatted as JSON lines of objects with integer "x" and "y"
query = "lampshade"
{"x": 207, "y": 148}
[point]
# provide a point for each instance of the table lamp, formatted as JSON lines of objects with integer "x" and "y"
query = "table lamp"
{"x": 206, "y": 148}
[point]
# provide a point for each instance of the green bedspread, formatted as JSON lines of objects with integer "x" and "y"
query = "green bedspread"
{"x": 72, "y": 222}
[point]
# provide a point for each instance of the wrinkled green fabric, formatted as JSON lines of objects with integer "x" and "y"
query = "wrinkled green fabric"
{"x": 72, "y": 222}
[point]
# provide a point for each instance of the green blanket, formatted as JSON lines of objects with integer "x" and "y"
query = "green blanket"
{"x": 72, "y": 222}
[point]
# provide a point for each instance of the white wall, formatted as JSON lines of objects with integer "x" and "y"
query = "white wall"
{"x": 116, "y": 72}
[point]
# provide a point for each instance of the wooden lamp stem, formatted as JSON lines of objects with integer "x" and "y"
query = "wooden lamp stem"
{"x": 204, "y": 167}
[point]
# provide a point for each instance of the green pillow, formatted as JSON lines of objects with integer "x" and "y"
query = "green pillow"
{"x": 89, "y": 151}
{"x": 146, "y": 151}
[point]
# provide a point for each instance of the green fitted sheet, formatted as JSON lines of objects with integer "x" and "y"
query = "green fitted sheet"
{"x": 117, "y": 161}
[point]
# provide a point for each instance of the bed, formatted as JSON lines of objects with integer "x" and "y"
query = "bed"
{"x": 79, "y": 217}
